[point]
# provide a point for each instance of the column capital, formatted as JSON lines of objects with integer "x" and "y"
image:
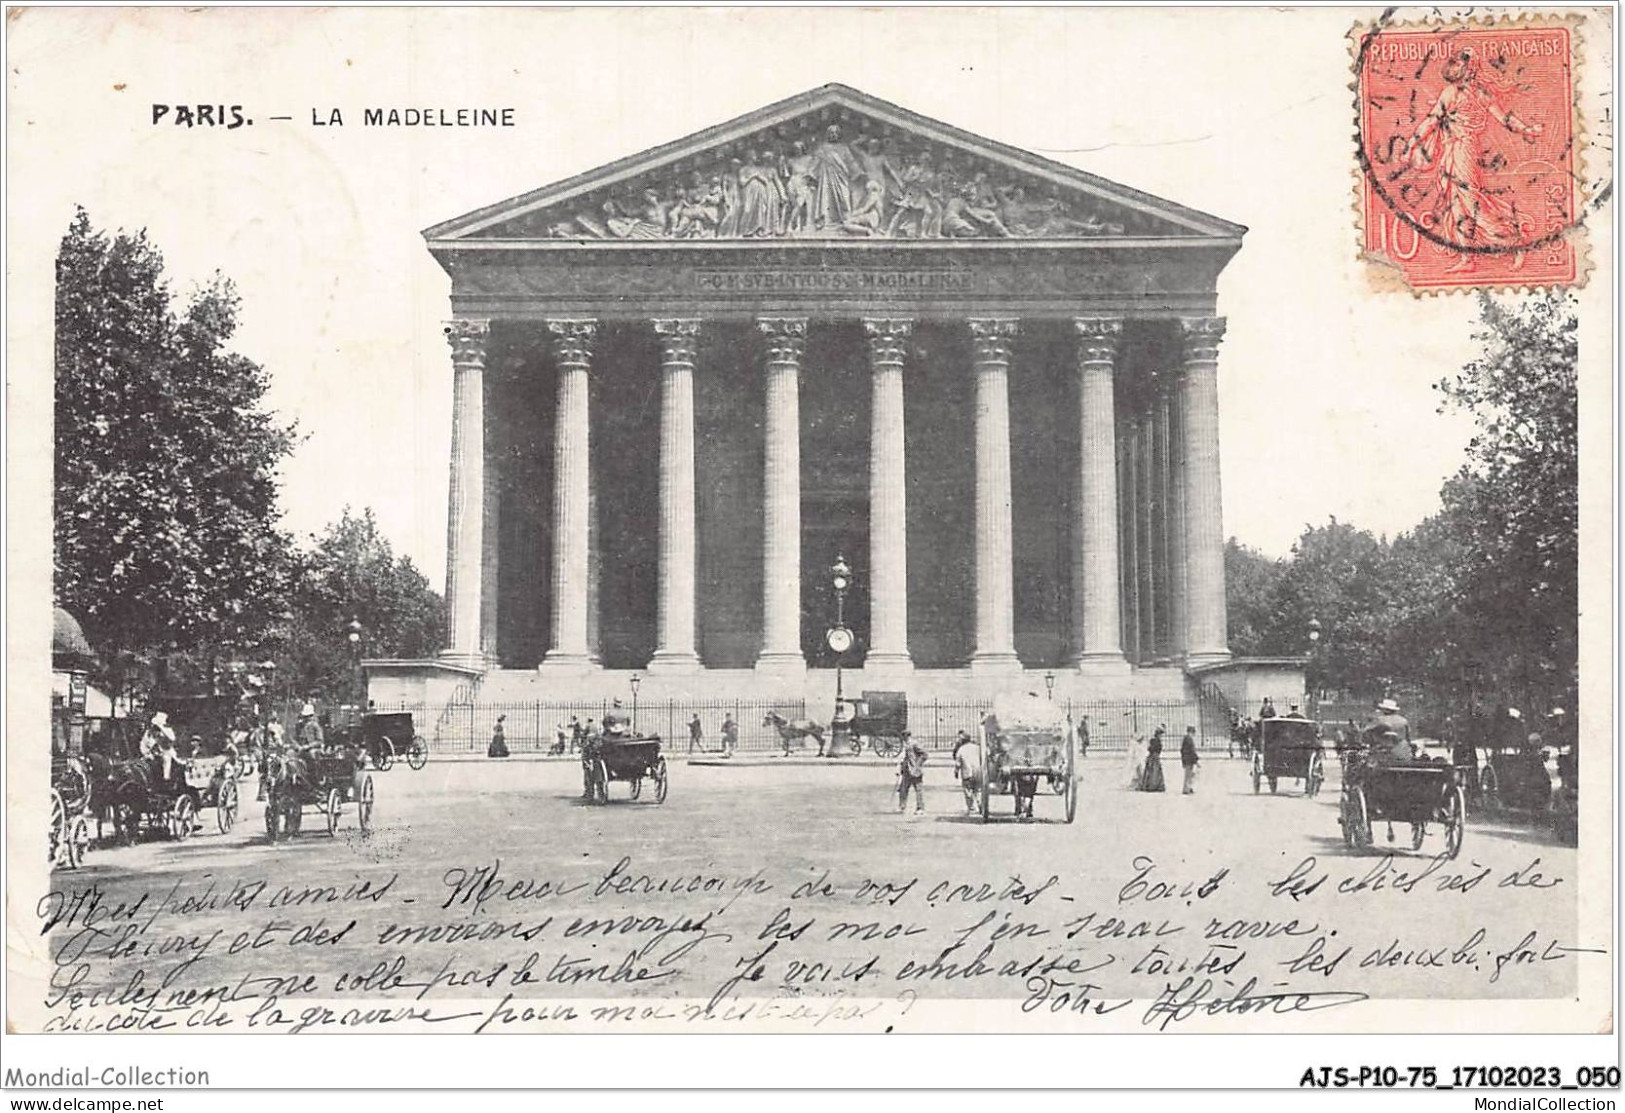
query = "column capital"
{"x": 573, "y": 339}
{"x": 679, "y": 337}
{"x": 467, "y": 336}
{"x": 786, "y": 337}
{"x": 1201, "y": 336}
{"x": 991, "y": 337}
{"x": 888, "y": 339}
{"x": 1098, "y": 338}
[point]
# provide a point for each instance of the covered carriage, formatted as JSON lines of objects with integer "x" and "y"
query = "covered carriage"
{"x": 1289, "y": 747}
{"x": 383, "y": 736}
{"x": 1026, "y": 741}
{"x": 880, "y": 720}
{"x": 626, "y": 756}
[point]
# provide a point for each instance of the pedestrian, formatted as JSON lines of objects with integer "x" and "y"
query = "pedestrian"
{"x": 1083, "y": 737}
{"x": 1189, "y": 759}
{"x": 696, "y": 734}
{"x": 1267, "y": 711}
{"x": 1151, "y": 779}
{"x": 730, "y": 735}
{"x": 499, "y": 743}
{"x": 578, "y": 734}
{"x": 1136, "y": 761}
{"x": 561, "y": 739}
{"x": 911, "y": 774}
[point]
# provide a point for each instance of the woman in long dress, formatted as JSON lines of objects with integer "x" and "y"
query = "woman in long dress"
{"x": 1136, "y": 761}
{"x": 1151, "y": 780}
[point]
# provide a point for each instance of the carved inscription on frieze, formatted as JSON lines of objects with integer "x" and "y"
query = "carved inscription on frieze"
{"x": 844, "y": 280}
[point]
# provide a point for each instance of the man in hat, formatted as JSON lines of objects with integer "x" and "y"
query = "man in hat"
{"x": 730, "y": 735}
{"x": 1388, "y": 734}
{"x": 696, "y": 734}
{"x": 307, "y": 732}
{"x": 158, "y": 731}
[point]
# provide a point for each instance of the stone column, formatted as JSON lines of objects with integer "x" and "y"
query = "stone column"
{"x": 465, "y": 504}
{"x": 674, "y": 648}
{"x": 1161, "y": 578}
{"x": 571, "y": 646}
{"x": 781, "y": 497}
{"x": 1132, "y": 493}
{"x": 1144, "y": 509}
{"x": 1177, "y": 618}
{"x": 995, "y": 567}
{"x": 1207, "y": 634}
{"x": 1096, "y": 593}
{"x": 888, "y": 499}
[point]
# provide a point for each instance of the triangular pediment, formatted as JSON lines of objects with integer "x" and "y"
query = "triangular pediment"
{"x": 832, "y": 164}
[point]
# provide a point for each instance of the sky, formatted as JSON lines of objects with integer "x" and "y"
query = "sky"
{"x": 1326, "y": 380}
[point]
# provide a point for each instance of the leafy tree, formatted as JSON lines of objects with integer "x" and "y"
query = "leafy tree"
{"x": 1515, "y": 504}
{"x": 351, "y": 574}
{"x": 1251, "y": 583}
{"x": 165, "y": 462}
{"x": 1339, "y": 575}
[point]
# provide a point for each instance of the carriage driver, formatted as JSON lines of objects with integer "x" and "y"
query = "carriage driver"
{"x": 157, "y": 733}
{"x": 1388, "y": 734}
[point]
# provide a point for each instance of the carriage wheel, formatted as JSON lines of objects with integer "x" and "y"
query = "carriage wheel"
{"x": 181, "y": 814}
{"x": 225, "y": 807}
{"x": 418, "y": 756}
{"x": 78, "y": 841}
{"x": 987, "y": 810}
{"x": 662, "y": 781}
{"x": 386, "y": 754}
{"x": 57, "y": 836}
{"x": 1418, "y": 835}
{"x": 637, "y": 787}
{"x": 1317, "y": 776}
{"x": 601, "y": 782}
{"x": 1360, "y": 819}
{"x": 1071, "y": 778}
{"x": 333, "y": 806}
{"x": 1258, "y": 774}
{"x": 363, "y": 804}
{"x": 1455, "y": 821}
{"x": 887, "y": 746}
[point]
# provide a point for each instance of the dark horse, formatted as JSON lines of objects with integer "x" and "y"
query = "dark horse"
{"x": 124, "y": 792}
{"x": 287, "y": 777}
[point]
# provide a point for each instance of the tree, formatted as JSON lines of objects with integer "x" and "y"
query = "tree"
{"x": 1514, "y": 507}
{"x": 1251, "y": 581}
{"x": 1339, "y": 575}
{"x": 350, "y": 574}
{"x": 165, "y": 492}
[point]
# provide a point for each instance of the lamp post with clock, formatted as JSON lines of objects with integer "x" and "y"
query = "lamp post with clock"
{"x": 839, "y": 639}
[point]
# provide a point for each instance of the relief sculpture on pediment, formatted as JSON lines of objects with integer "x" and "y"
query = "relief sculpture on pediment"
{"x": 822, "y": 182}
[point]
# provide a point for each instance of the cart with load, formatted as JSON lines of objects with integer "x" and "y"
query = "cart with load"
{"x": 326, "y": 779}
{"x": 1289, "y": 746}
{"x": 1413, "y": 792}
{"x": 1024, "y": 741}
{"x": 880, "y": 719}
{"x": 622, "y": 755}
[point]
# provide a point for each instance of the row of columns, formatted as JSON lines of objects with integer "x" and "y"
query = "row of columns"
{"x": 1171, "y": 462}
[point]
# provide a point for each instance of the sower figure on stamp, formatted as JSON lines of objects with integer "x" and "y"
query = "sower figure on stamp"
{"x": 911, "y": 775}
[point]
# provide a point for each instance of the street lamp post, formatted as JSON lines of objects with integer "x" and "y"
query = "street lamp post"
{"x": 1314, "y": 643}
{"x": 839, "y": 640}
{"x": 1049, "y": 686}
{"x": 353, "y": 636}
{"x": 636, "y": 680}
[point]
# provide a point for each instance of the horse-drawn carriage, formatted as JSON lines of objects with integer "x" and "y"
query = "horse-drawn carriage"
{"x": 384, "y": 736}
{"x": 1519, "y": 776}
{"x": 1288, "y": 746}
{"x": 622, "y": 755}
{"x": 880, "y": 719}
{"x": 325, "y": 778}
{"x": 1024, "y": 742}
{"x": 1413, "y": 792}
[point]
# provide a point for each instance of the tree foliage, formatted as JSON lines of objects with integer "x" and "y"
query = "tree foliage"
{"x": 165, "y": 459}
{"x": 351, "y": 574}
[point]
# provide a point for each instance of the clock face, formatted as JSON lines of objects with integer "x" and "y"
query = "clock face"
{"x": 840, "y": 639}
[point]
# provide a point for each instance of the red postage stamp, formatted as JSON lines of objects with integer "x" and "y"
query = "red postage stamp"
{"x": 1466, "y": 146}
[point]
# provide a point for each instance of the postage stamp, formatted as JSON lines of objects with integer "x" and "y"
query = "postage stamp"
{"x": 1466, "y": 144}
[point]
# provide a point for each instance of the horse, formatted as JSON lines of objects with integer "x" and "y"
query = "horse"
{"x": 797, "y": 731}
{"x": 286, "y": 773}
{"x": 124, "y": 792}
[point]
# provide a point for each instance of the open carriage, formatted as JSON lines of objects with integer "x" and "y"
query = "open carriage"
{"x": 1026, "y": 742}
{"x": 327, "y": 779}
{"x": 1289, "y": 747}
{"x": 1413, "y": 792}
{"x": 628, "y": 757}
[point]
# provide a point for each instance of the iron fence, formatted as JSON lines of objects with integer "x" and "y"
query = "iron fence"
{"x": 536, "y": 726}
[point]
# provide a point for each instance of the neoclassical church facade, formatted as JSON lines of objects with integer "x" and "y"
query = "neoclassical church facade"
{"x": 689, "y": 381}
